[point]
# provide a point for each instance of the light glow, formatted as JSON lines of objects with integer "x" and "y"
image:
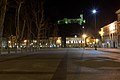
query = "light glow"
{"x": 35, "y": 41}
{"x": 97, "y": 40}
{"x": 25, "y": 41}
{"x": 75, "y": 36}
{"x": 112, "y": 28}
{"x": 58, "y": 41}
{"x": 9, "y": 41}
{"x": 67, "y": 42}
{"x": 71, "y": 41}
{"x": 94, "y": 11}
{"x": 84, "y": 35}
{"x": 101, "y": 32}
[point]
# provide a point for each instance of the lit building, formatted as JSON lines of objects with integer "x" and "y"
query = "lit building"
{"x": 110, "y": 36}
{"x": 110, "y": 33}
{"x": 118, "y": 24}
{"x": 74, "y": 42}
{"x": 90, "y": 42}
{"x": 55, "y": 42}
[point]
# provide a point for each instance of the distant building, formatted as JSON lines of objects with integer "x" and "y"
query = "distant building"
{"x": 55, "y": 42}
{"x": 74, "y": 42}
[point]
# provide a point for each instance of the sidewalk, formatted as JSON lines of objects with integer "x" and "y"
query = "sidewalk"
{"x": 116, "y": 50}
{"x": 11, "y": 52}
{"x": 113, "y": 50}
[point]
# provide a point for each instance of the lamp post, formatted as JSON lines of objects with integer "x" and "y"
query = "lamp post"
{"x": 94, "y": 12}
{"x": 84, "y": 37}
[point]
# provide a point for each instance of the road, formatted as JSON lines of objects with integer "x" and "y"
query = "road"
{"x": 61, "y": 64}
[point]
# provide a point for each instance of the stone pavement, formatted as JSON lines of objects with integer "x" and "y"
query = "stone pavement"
{"x": 61, "y": 64}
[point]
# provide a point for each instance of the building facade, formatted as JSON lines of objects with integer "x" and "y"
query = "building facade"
{"x": 74, "y": 42}
{"x": 110, "y": 35}
{"x": 118, "y": 24}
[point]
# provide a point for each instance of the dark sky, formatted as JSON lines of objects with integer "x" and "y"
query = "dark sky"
{"x": 59, "y": 9}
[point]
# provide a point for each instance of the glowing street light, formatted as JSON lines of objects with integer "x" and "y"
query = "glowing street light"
{"x": 75, "y": 36}
{"x": 101, "y": 33}
{"x": 94, "y": 11}
{"x": 84, "y": 37}
{"x": 58, "y": 41}
{"x": 97, "y": 40}
{"x": 9, "y": 42}
{"x": 25, "y": 41}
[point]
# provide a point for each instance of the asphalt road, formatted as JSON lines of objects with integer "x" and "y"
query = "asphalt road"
{"x": 61, "y": 64}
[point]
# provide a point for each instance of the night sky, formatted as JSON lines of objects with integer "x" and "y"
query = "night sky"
{"x": 59, "y": 9}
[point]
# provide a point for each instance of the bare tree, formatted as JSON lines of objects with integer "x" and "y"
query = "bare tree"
{"x": 28, "y": 25}
{"x": 19, "y": 4}
{"x": 38, "y": 14}
{"x": 3, "y": 4}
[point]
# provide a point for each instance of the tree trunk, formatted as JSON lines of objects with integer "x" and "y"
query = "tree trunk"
{"x": 22, "y": 32}
{"x": 3, "y": 4}
{"x": 17, "y": 26}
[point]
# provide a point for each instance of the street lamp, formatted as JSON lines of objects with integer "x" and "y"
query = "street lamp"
{"x": 94, "y": 12}
{"x": 84, "y": 37}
